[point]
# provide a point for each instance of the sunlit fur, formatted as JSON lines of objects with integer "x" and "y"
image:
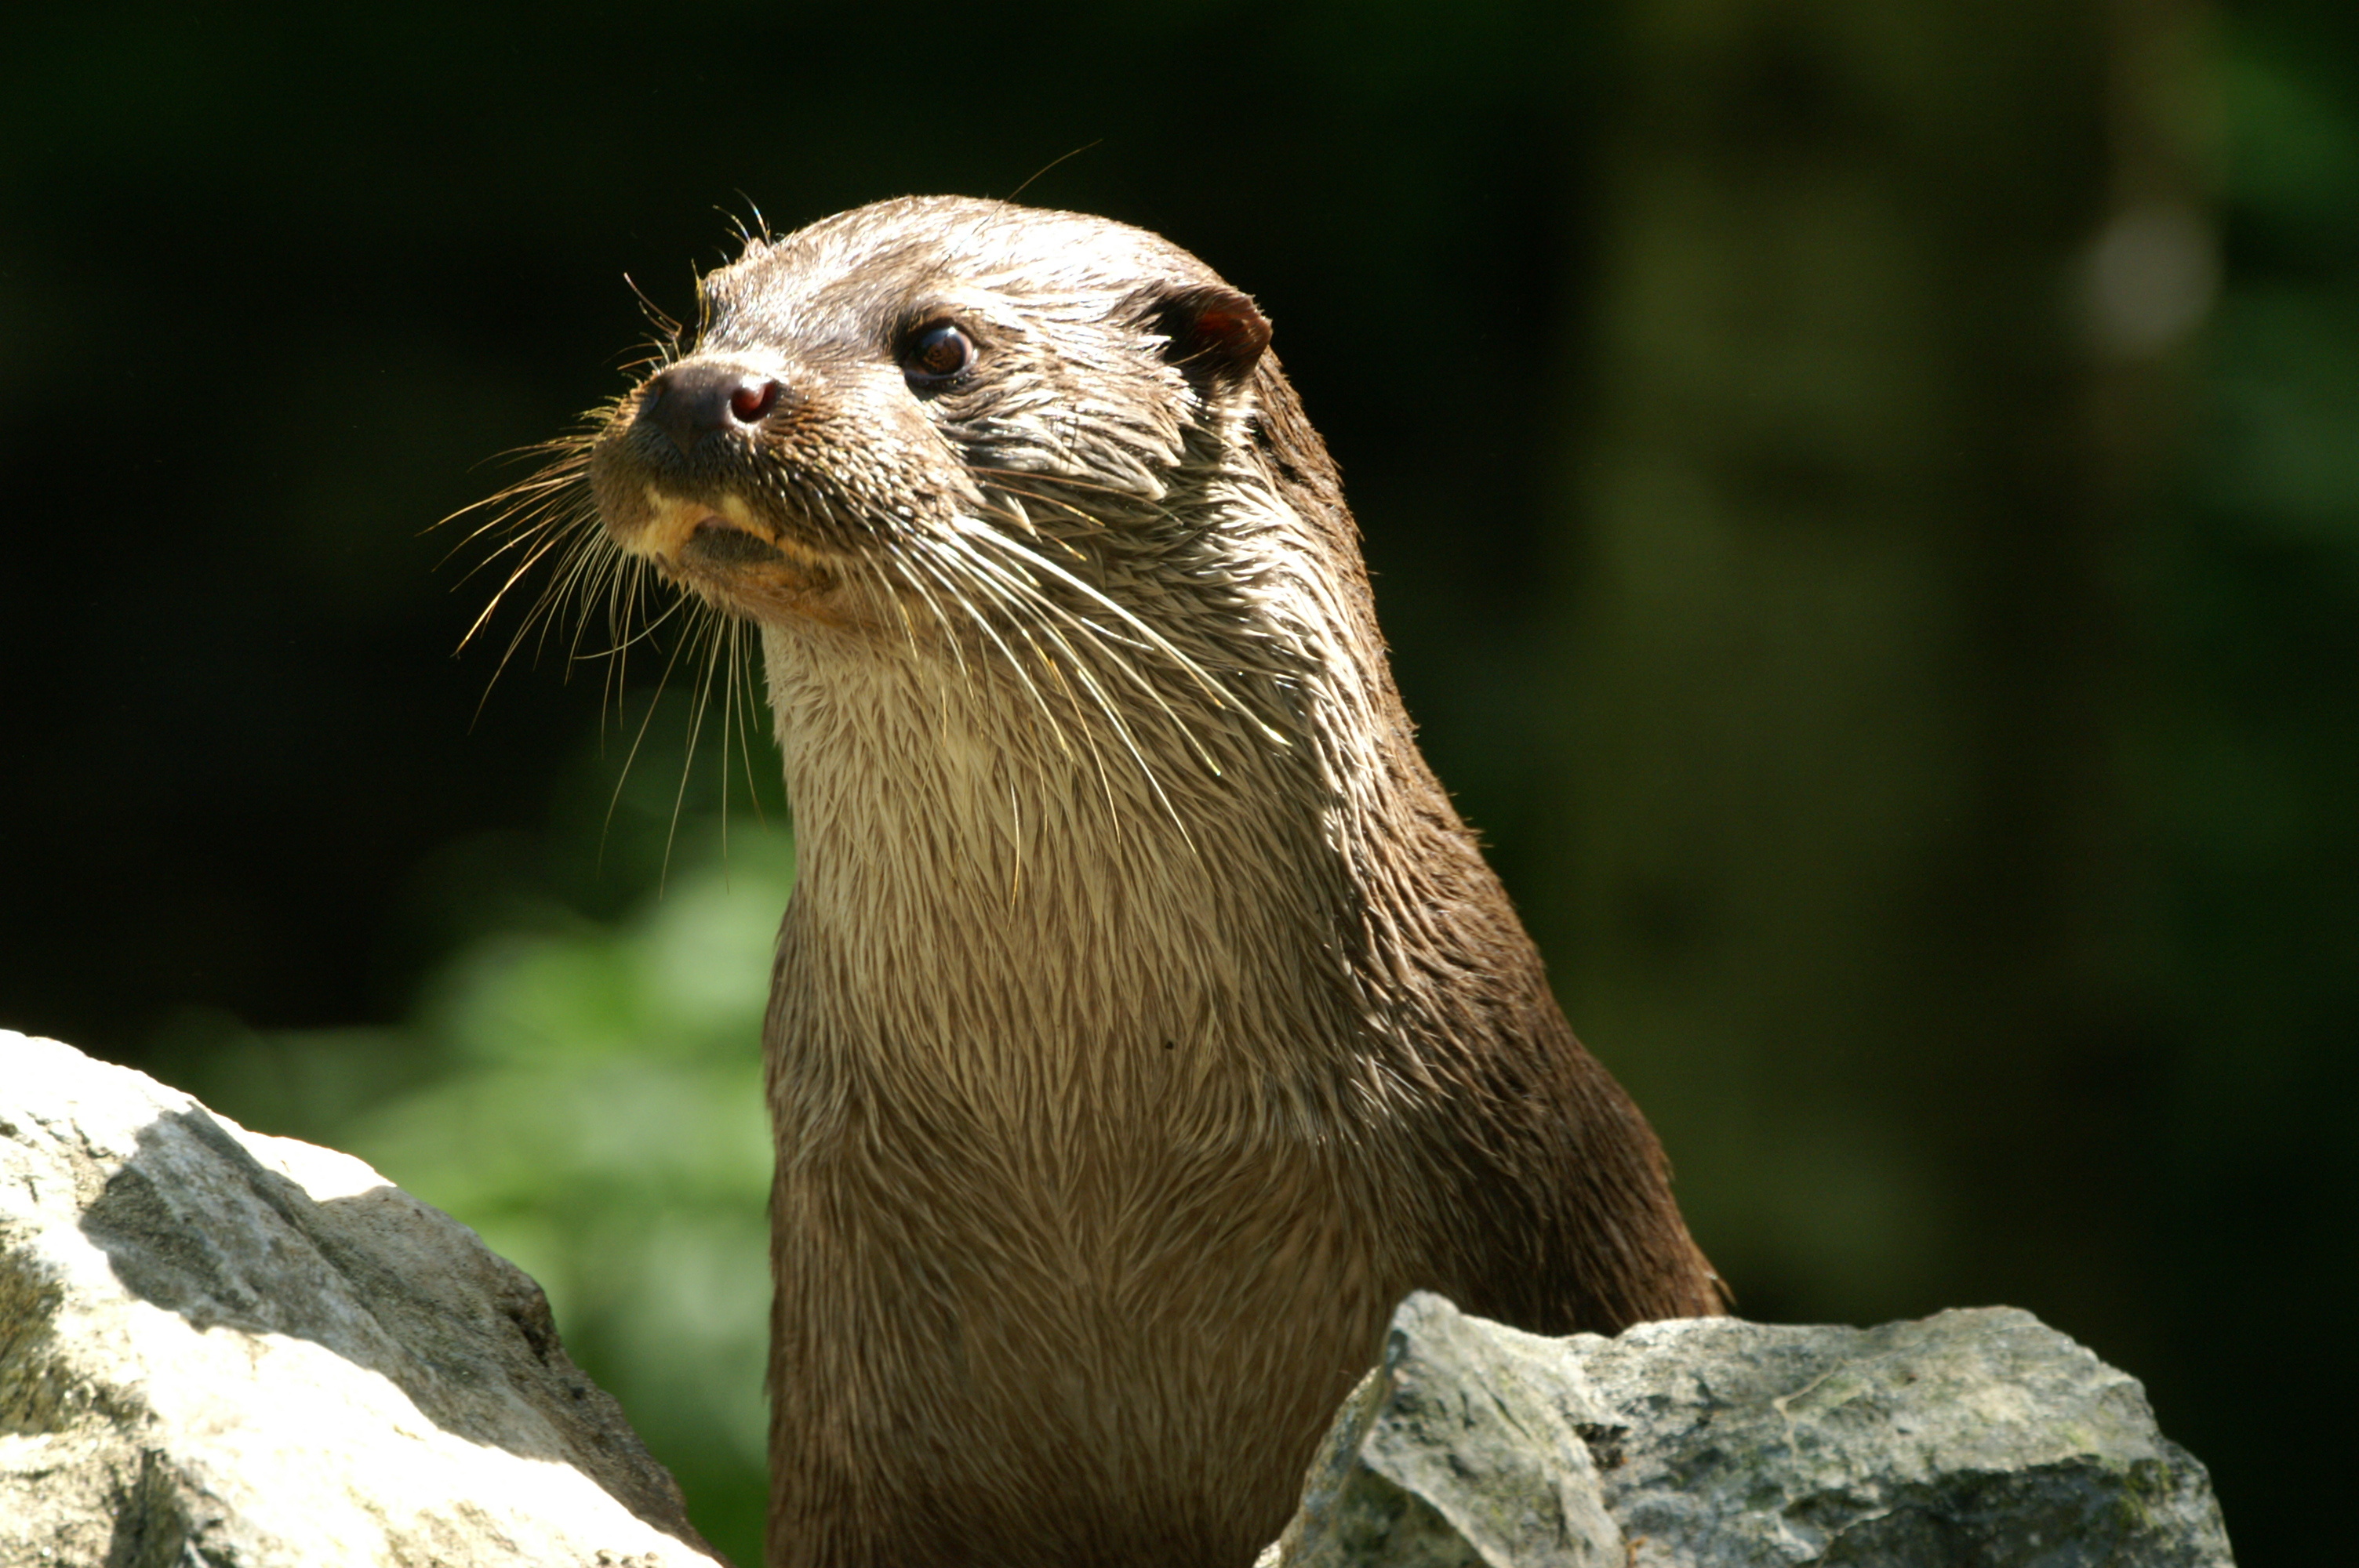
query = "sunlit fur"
{"x": 1144, "y": 1022}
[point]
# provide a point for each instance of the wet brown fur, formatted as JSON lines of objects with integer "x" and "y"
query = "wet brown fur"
{"x": 1145, "y": 1023}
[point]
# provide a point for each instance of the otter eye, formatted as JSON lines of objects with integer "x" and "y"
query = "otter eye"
{"x": 937, "y": 354}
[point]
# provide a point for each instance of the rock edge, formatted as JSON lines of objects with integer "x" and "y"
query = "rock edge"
{"x": 1973, "y": 1437}
{"x": 221, "y": 1347}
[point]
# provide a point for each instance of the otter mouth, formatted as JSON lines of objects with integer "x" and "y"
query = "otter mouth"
{"x": 715, "y": 542}
{"x": 671, "y": 531}
{"x": 725, "y": 553}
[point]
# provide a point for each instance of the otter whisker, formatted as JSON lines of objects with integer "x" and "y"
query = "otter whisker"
{"x": 1062, "y": 482}
{"x": 658, "y": 318}
{"x": 948, "y": 580}
{"x": 569, "y": 454}
{"x": 949, "y": 635}
{"x": 532, "y": 617}
{"x": 549, "y": 517}
{"x": 577, "y": 579}
{"x": 596, "y": 585}
{"x": 1014, "y": 588}
{"x": 711, "y": 632}
{"x": 626, "y": 594}
{"x": 739, "y": 673}
{"x": 1212, "y": 689}
{"x": 544, "y": 510}
{"x": 1079, "y": 669}
{"x": 883, "y": 590}
{"x": 624, "y": 586}
{"x": 1114, "y": 640}
{"x": 524, "y": 530}
{"x": 684, "y": 608}
{"x": 616, "y": 582}
{"x": 529, "y": 512}
{"x": 943, "y": 569}
{"x": 637, "y": 740}
{"x": 585, "y": 564}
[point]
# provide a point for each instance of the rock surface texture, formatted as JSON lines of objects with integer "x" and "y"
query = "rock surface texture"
{"x": 1972, "y": 1438}
{"x": 218, "y": 1348}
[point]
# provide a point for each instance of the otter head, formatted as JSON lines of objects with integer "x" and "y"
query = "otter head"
{"x": 927, "y": 403}
{"x": 1065, "y": 637}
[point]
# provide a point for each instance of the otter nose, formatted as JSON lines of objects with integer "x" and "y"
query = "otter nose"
{"x": 690, "y": 402}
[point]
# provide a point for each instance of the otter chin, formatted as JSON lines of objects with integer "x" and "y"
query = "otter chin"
{"x": 1145, "y": 1022}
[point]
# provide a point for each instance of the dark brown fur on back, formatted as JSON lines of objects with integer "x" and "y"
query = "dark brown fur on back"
{"x": 1145, "y": 1023}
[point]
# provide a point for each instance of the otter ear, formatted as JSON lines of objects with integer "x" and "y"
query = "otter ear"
{"x": 1213, "y": 335}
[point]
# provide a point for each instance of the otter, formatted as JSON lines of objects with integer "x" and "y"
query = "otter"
{"x": 1145, "y": 1022}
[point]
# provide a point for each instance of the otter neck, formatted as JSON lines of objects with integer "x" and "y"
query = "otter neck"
{"x": 1035, "y": 921}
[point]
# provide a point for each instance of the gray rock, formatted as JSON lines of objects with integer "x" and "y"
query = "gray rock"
{"x": 1978, "y": 1436}
{"x": 1462, "y": 1447}
{"x": 1972, "y": 1438}
{"x": 218, "y": 1348}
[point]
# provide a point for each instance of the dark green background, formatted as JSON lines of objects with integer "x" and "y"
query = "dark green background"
{"x": 1916, "y": 717}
